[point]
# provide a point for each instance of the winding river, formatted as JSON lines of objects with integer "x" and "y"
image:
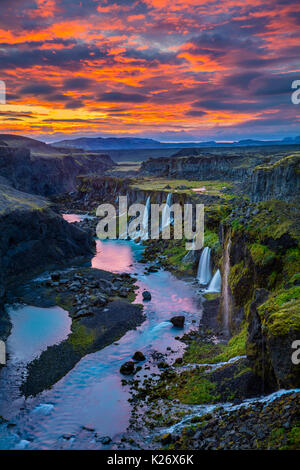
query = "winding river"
{"x": 90, "y": 402}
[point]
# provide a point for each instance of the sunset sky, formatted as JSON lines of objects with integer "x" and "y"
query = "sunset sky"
{"x": 173, "y": 70}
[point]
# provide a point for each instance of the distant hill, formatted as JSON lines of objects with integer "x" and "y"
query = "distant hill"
{"x": 131, "y": 143}
{"x": 35, "y": 146}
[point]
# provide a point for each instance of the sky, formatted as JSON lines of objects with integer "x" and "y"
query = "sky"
{"x": 173, "y": 70}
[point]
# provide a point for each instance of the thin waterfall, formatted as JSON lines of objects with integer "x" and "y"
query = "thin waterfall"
{"x": 215, "y": 283}
{"x": 226, "y": 297}
{"x": 204, "y": 270}
{"x": 166, "y": 217}
{"x": 145, "y": 227}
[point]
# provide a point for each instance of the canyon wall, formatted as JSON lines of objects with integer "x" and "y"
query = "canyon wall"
{"x": 260, "y": 291}
{"x": 280, "y": 180}
{"x": 48, "y": 175}
{"x": 34, "y": 238}
{"x": 200, "y": 167}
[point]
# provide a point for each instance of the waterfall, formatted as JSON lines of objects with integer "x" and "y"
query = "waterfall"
{"x": 226, "y": 297}
{"x": 166, "y": 218}
{"x": 204, "y": 271}
{"x": 215, "y": 283}
{"x": 146, "y": 219}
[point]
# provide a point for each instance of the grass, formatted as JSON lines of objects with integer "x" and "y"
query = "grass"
{"x": 261, "y": 254}
{"x": 281, "y": 312}
{"x": 212, "y": 188}
{"x": 193, "y": 390}
{"x": 202, "y": 352}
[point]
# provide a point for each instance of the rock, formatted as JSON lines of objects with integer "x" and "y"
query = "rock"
{"x": 83, "y": 313}
{"x": 138, "y": 356}
{"x": 153, "y": 269}
{"x": 105, "y": 440}
{"x": 146, "y": 295}
{"x": 123, "y": 292}
{"x": 55, "y": 277}
{"x": 100, "y": 301}
{"x": 179, "y": 360}
{"x": 166, "y": 439}
{"x": 127, "y": 368}
{"x": 162, "y": 365}
{"x": 178, "y": 321}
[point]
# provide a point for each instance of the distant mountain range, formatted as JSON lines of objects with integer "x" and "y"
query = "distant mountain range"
{"x": 131, "y": 143}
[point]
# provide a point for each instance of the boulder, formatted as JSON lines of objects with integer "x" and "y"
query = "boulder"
{"x": 146, "y": 295}
{"x": 178, "y": 321}
{"x": 138, "y": 356}
{"x": 127, "y": 368}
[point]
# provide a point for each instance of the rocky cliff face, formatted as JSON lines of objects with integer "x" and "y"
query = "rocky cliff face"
{"x": 262, "y": 287}
{"x": 278, "y": 181}
{"x": 34, "y": 238}
{"x": 202, "y": 167}
{"x": 263, "y": 177}
{"x": 95, "y": 190}
{"x": 48, "y": 174}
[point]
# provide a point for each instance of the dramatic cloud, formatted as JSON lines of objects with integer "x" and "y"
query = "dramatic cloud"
{"x": 175, "y": 70}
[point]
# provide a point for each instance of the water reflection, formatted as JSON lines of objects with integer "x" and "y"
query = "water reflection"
{"x": 91, "y": 395}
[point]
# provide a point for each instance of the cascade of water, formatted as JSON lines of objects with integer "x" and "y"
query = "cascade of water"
{"x": 204, "y": 271}
{"x": 226, "y": 298}
{"x": 166, "y": 217}
{"x": 145, "y": 234}
{"x": 215, "y": 283}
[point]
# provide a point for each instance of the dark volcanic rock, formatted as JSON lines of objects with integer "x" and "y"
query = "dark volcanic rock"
{"x": 127, "y": 368}
{"x": 37, "y": 168}
{"x": 178, "y": 321}
{"x": 34, "y": 238}
{"x": 138, "y": 356}
{"x": 277, "y": 181}
{"x": 146, "y": 295}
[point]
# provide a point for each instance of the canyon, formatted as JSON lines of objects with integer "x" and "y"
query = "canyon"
{"x": 242, "y": 288}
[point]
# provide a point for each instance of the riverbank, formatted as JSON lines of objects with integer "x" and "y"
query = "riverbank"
{"x": 99, "y": 304}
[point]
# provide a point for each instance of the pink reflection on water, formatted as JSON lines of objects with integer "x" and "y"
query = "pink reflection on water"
{"x": 71, "y": 218}
{"x": 164, "y": 301}
{"x": 110, "y": 258}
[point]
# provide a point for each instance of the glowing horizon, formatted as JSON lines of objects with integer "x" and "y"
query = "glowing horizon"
{"x": 190, "y": 70}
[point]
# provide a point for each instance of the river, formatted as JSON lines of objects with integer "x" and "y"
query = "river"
{"x": 90, "y": 401}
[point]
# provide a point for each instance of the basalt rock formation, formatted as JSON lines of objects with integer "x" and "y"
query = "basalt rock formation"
{"x": 262, "y": 287}
{"x": 280, "y": 180}
{"x": 37, "y": 168}
{"x": 34, "y": 238}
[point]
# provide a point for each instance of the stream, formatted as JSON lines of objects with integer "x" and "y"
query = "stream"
{"x": 90, "y": 402}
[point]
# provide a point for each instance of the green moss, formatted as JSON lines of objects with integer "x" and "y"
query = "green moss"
{"x": 291, "y": 262}
{"x": 200, "y": 352}
{"x": 212, "y": 188}
{"x": 211, "y": 239}
{"x": 81, "y": 337}
{"x": 293, "y": 159}
{"x": 281, "y": 312}
{"x": 240, "y": 281}
{"x": 293, "y": 439}
{"x": 236, "y": 346}
{"x": 193, "y": 390}
{"x": 273, "y": 220}
{"x": 261, "y": 254}
{"x": 211, "y": 295}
